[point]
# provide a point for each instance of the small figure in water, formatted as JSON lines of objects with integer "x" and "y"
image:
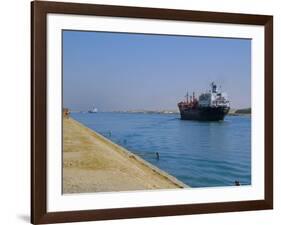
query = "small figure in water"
{"x": 157, "y": 156}
{"x": 125, "y": 141}
{"x": 237, "y": 183}
{"x": 109, "y": 133}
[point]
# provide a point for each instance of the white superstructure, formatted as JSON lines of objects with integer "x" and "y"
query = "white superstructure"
{"x": 214, "y": 98}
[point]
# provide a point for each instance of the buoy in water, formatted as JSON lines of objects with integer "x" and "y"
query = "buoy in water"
{"x": 157, "y": 155}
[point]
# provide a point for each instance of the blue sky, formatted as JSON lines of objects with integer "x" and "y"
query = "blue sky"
{"x": 120, "y": 71}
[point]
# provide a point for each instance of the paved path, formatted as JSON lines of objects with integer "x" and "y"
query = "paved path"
{"x": 92, "y": 163}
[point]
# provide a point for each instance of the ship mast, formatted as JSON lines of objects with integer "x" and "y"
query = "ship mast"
{"x": 186, "y": 97}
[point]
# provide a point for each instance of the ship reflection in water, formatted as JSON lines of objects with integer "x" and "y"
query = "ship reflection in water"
{"x": 201, "y": 154}
{"x": 211, "y": 106}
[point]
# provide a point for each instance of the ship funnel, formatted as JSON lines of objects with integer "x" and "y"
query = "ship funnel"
{"x": 214, "y": 87}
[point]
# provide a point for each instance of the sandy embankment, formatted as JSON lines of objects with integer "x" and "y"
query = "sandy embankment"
{"x": 92, "y": 163}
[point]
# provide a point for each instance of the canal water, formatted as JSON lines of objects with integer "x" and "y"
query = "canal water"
{"x": 200, "y": 154}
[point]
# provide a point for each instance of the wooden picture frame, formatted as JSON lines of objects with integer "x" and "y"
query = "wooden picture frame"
{"x": 39, "y": 11}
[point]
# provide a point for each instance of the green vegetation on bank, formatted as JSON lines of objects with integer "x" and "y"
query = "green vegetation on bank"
{"x": 243, "y": 111}
{"x": 237, "y": 112}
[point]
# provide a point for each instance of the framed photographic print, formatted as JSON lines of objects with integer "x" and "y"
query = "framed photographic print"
{"x": 143, "y": 112}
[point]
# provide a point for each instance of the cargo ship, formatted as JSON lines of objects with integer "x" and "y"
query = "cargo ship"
{"x": 211, "y": 106}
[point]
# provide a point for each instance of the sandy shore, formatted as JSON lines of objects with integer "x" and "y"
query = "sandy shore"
{"x": 92, "y": 163}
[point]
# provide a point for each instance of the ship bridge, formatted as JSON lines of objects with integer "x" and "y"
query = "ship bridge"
{"x": 213, "y": 98}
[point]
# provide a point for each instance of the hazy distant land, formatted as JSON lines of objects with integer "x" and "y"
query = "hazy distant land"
{"x": 232, "y": 112}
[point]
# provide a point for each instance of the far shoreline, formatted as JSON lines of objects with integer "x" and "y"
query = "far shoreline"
{"x": 159, "y": 112}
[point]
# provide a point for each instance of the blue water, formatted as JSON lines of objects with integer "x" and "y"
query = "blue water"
{"x": 200, "y": 154}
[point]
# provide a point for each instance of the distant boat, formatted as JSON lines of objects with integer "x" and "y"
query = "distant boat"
{"x": 93, "y": 110}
